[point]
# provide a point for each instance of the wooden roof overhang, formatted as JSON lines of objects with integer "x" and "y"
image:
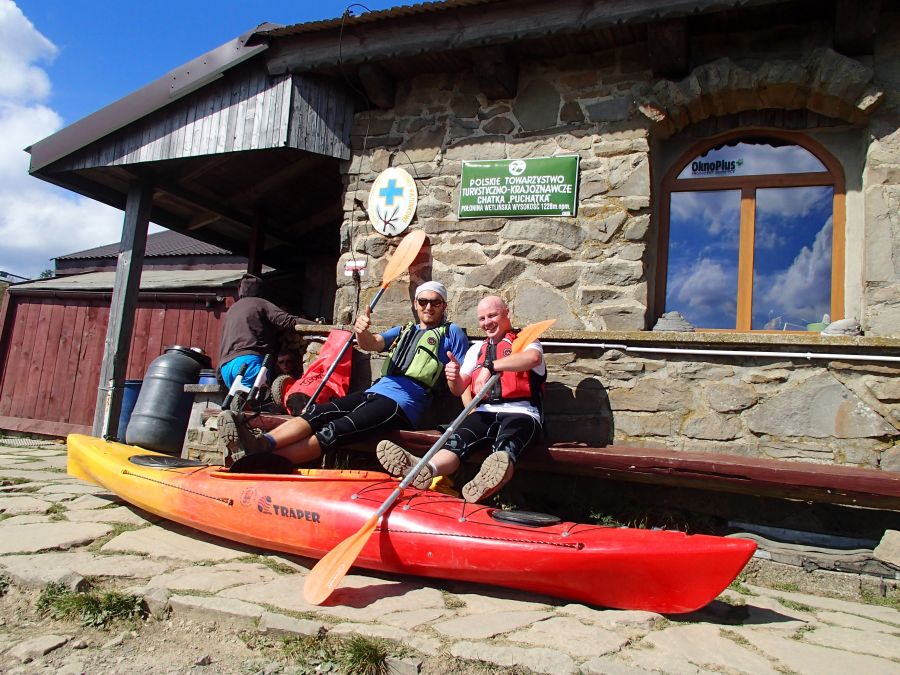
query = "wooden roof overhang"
{"x": 229, "y": 154}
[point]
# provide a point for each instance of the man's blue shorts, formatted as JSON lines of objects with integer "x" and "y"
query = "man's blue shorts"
{"x": 231, "y": 368}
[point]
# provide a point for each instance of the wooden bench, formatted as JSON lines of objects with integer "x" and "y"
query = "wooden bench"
{"x": 783, "y": 479}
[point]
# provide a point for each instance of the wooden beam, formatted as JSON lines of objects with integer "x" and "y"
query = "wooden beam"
{"x": 42, "y": 427}
{"x": 208, "y": 205}
{"x": 497, "y": 71}
{"x": 378, "y": 84}
{"x": 122, "y": 308}
{"x": 669, "y": 48}
{"x": 830, "y": 484}
{"x": 275, "y": 181}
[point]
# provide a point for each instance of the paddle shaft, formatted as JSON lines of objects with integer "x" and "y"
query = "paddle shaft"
{"x": 340, "y": 355}
{"x": 432, "y": 451}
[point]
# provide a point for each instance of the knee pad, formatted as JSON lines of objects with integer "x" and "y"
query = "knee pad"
{"x": 327, "y": 436}
{"x": 456, "y": 445}
{"x": 511, "y": 446}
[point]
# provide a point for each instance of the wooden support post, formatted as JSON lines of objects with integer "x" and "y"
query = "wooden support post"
{"x": 122, "y": 309}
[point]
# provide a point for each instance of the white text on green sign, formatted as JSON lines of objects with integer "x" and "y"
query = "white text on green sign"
{"x": 540, "y": 186}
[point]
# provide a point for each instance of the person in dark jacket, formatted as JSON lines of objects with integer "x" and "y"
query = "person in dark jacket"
{"x": 250, "y": 331}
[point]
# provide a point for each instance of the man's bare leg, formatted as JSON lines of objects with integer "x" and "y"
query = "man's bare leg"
{"x": 302, "y": 451}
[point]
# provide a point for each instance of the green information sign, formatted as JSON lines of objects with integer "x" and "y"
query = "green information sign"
{"x": 540, "y": 186}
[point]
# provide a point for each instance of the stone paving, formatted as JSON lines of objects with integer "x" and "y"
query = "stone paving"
{"x": 52, "y": 520}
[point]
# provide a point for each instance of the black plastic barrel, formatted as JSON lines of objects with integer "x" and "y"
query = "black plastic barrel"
{"x": 162, "y": 410}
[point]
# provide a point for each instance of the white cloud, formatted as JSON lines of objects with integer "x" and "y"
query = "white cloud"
{"x": 801, "y": 293}
{"x": 20, "y": 47}
{"x": 38, "y": 221}
{"x": 705, "y": 293}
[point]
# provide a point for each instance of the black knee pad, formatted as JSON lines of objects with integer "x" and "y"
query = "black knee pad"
{"x": 511, "y": 446}
{"x": 327, "y": 436}
{"x": 455, "y": 444}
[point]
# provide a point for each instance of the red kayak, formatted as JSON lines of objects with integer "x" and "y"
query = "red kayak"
{"x": 425, "y": 533}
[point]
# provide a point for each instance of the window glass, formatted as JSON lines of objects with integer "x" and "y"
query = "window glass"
{"x": 792, "y": 257}
{"x": 752, "y": 159}
{"x": 701, "y": 283}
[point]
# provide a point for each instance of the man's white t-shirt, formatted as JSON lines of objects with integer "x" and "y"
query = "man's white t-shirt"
{"x": 522, "y": 407}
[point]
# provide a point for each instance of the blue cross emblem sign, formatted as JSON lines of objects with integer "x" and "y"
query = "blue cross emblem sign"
{"x": 392, "y": 201}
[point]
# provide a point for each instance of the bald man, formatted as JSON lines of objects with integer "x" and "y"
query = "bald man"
{"x": 508, "y": 419}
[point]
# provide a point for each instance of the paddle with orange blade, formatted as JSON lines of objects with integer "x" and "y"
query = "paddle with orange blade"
{"x": 403, "y": 257}
{"x": 328, "y": 572}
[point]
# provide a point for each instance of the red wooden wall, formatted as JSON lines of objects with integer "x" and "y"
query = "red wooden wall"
{"x": 51, "y": 350}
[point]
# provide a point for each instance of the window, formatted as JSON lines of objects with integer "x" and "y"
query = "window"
{"x": 752, "y": 235}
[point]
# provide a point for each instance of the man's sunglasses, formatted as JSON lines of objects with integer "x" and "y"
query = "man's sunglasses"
{"x": 436, "y": 302}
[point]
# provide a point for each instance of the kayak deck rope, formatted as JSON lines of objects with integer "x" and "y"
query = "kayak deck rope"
{"x": 574, "y": 545}
{"x": 225, "y": 500}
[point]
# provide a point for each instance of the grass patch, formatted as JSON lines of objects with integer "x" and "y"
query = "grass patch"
{"x": 6, "y": 482}
{"x": 56, "y": 511}
{"x": 272, "y": 563}
{"x": 360, "y": 655}
{"x": 451, "y": 601}
{"x": 4, "y": 584}
{"x": 117, "y": 529}
{"x": 803, "y": 630}
{"x": 603, "y": 519}
{"x": 787, "y": 587}
{"x": 798, "y": 606}
{"x": 734, "y": 637}
{"x": 872, "y": 598}
{"x": 92, "y": 609}
{"x": 738, "y": 587}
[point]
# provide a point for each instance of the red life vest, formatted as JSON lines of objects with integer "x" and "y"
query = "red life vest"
{"x": 520, "y": 386}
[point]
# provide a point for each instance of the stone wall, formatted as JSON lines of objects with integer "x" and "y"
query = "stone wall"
{"x": 780, "y": 408}
{"x": 882, "y": 191}
{"x": 594, "y": 272}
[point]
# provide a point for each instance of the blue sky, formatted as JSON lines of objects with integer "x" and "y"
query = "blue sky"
{"x": 61, "y": 60}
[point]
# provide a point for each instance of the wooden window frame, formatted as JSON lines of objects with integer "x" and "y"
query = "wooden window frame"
{"x": 748, "y": 185}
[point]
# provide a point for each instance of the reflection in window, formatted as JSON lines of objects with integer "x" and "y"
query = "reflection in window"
{"x": 752, "y": 236}
{"x": 703, "y": 256}
{"x": 749, "y": 158}
{"x": 792, "y": 270}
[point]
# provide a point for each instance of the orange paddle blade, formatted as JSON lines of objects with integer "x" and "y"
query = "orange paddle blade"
{"x": 403, "y": 257}
{"x": 529, "y": 334}
{"x": 324, "y": 577}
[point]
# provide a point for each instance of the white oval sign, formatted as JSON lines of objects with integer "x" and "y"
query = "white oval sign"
{"x": 392, "y": 201}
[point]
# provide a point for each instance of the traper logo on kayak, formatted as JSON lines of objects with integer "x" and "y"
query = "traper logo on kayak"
{"x": 265, "y": 505}
{"x": 247, "y": 496}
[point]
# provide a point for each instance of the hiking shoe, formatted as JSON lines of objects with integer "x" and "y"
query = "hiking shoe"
{"x": 296, "y": 402}
{"x": 398, "y": 462}
{"x": 236, "y": 439}
{"x": 281, "y": 384}
{"x": 495, "y": 472}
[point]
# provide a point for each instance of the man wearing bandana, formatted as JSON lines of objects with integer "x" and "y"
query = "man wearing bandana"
{"x": 417, "y": 354}
{"x": 508, "y": 419}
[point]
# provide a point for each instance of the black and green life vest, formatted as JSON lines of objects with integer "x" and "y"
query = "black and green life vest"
{"x": 415, "y": 354}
